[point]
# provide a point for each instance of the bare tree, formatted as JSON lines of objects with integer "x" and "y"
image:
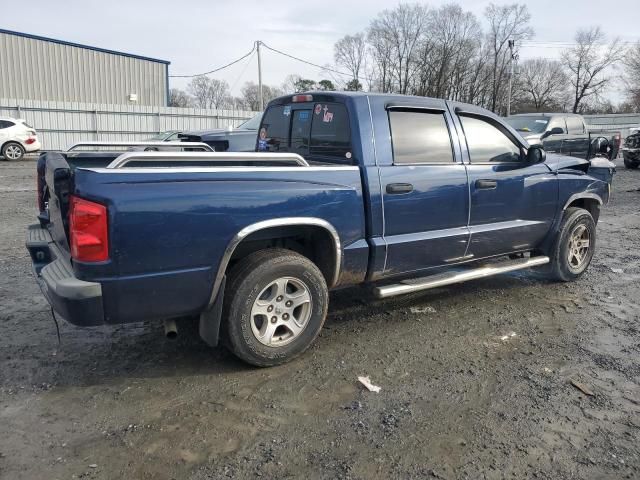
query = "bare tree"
{"x": 588, "y": 62}
{"x": 250, "y": 98}
{"x": 350, "y": 52}
{"x": 632, "y": 76}
{"x": 542, "y": 84}
{"x": 453, "y": 38}
{"x": 399, "y": 32}
{"x": 179, "y": 98}
{"x": 506, "y": 22}
{"x": 209, "y": 92}
{"x": 290, "y": 83}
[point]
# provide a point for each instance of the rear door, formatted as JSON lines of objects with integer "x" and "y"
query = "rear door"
{"x": 424, "y": 188}
{"x": 513, "y": 203}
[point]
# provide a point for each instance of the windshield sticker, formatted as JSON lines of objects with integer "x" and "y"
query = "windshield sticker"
{"x": 304, "y": 116}
{"x": 262, "y": 140}
{"x": 318, "y": 109}
{"x": 328, "y": 116}
{"x": 541, "y": 121}
{"x": 287, "y": 110}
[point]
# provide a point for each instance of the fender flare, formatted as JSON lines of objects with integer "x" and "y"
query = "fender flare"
{"x": 278, "y": 222}
{"x": 581, "y": 196}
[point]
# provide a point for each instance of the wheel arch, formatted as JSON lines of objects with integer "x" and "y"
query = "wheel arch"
{"x": 286, "y": 232}
{"x": 587, "y": 201}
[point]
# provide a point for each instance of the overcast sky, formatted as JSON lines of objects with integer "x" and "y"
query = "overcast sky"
{"x": 199, "y": 35}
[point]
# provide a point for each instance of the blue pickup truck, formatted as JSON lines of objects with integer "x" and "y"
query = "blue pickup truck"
{"x": 398, "y": 193}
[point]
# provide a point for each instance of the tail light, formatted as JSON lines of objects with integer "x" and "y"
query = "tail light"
{"x": 88, "y": 230}
{"x": 29, "y": 141}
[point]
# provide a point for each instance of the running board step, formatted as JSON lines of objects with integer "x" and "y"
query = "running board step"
{"x": 448, "y": 278}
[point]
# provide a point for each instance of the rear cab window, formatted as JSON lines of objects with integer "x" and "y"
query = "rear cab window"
{"x": 318, "y": 131}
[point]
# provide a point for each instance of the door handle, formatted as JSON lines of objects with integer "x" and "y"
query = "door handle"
{"x": 485, "y": 184}
{"x": 394, "y": 188}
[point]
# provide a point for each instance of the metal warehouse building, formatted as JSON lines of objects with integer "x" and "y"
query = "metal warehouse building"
{"x": 39, "y": 68}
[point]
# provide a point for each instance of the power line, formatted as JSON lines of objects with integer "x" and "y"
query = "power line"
{"x": 242, "y": 72}
{"x": 217, "y": 69}
{"x": 350, "y": 75}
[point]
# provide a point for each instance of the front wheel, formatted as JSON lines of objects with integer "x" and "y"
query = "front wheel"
{"x": 574, "y": 246}
{"x": 275, "y": 305}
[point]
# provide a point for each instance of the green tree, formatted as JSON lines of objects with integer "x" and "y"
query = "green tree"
{"x": 326, "y": 85}
{"x": 353, "y": 86}
{"x": 304, "y": 85}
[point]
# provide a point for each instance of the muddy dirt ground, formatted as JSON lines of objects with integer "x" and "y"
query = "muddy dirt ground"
{"x": 462, "y": 397}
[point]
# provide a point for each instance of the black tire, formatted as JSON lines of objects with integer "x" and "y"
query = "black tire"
{"x": 628, "y": 163}
{"x": 562, "y": 268}
{"x": 12, "y": 151}
{"x": 247, "y": 281}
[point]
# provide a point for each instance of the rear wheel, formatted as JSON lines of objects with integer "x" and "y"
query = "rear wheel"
{"x": 12, "y": 151}
{"x": 631, "y": 163}
{"x": 574, "y": 246}
{"x": 275, "y": 305}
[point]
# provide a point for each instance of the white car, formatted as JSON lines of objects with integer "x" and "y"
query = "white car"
{"x": 17, "y": 138}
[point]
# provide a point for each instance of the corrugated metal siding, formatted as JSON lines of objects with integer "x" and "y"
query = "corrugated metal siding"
{"x": 59, "y": 124}
{"x": 620, "y": 122}
{"x": 41, "y": 70}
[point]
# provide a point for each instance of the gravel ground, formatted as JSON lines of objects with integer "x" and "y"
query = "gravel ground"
{"x": 476, "y": 380}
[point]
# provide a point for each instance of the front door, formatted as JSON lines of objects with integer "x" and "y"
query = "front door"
{"x": 425, "y": 192}
{"x": 513, "y": 203}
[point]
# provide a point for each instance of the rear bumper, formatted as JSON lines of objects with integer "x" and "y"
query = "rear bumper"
{"x": 75, "y": 300}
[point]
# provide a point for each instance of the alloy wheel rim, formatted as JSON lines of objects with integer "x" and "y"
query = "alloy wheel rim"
{"x": 12, "y": 152}
{"x": 579, "y": 246}
{"x": 281, "y": 312}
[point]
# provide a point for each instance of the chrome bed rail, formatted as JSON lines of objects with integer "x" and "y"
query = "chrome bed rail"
{"x": 194, "y": 157}
{"x": 197, "y": 145}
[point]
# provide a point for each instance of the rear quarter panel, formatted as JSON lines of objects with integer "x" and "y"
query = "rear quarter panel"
{"x": 169, "y": 229}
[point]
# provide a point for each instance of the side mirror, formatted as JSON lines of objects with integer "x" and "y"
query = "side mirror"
{"x": 554, "y": 131}
{"x": 536, "y": 154}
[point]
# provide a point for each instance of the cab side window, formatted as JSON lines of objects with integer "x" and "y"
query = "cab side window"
{"x": 419, "y": 137}
{"x": 575, "y": 125}
{"x": 487, "y": 144}
{"x": 557, "y": 122}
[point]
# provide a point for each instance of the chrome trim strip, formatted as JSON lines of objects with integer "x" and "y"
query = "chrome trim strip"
{"x": 215, "y": 169}
{"x": 578, "y": 196}
{"x": 489, "y": 227}
{"x": 237, "y": 157}
{"x": 449, "y": 278}
{"x": 278, "y": 222}
{"x": 200, "y": 145}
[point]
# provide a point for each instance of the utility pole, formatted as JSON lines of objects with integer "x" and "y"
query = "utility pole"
{"x": 260, "y": 76}
{"x": 511, "y": 64}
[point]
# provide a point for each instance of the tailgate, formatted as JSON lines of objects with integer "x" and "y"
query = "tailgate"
{"x": 58, "y": 185}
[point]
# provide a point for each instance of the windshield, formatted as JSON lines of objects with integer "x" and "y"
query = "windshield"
{"x": 528, "y": 124}
{"x": 251, "y": 124}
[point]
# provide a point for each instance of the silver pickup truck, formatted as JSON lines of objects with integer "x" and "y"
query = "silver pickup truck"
{"x": 566, "y": 134}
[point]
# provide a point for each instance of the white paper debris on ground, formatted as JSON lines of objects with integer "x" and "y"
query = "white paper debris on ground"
{"x": 508, "y": 336}
{"x": 367, "y": 383}
{"x": 617, "y": 270}
{"x": 423, "y": 310}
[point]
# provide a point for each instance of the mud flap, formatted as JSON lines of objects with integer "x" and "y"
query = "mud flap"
{"x": 210, "y": 319}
